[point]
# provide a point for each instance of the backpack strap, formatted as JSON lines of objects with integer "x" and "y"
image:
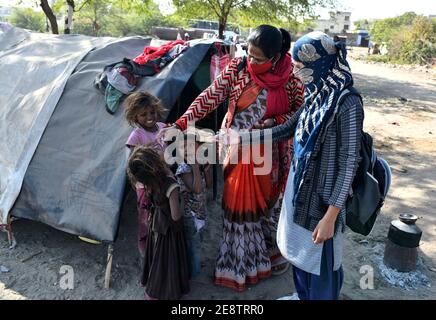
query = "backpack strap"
{"x": 349, "y": 91}
{"x": 346, "y": 93}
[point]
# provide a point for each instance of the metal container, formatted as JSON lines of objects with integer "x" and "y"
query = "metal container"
{"x": 401, "y": 251}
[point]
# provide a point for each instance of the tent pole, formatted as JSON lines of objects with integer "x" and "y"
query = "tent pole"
{"x": 107, "y": 276}
{"x": 178, "y": 107}
{"x": 8, "y": 229}
{"x": 215, "y": 174}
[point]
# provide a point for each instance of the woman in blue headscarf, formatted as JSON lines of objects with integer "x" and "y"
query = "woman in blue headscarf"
{"x": 326, "y": 154}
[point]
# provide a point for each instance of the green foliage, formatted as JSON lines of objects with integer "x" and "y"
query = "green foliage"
{"x": 296, "y": 27}
{"x": 133, "y": 6}
{"x": 119, "y": 18}
{"x": 196, "y": 9}
{"x": 384, "y": 30}
{"x": 410, "y": 38}
{"x": 416, "y": 43}
{"x": 58, "y": 6}
{"x": 83, "y": 25}
{"x": 363, "y": 24}
{"x": 283, "y": 12}
{"x": 93, "y": 17}
{"x": 28, "y": 19}
{"x": 378, "y": 58}
{"x": 251, "y": 13}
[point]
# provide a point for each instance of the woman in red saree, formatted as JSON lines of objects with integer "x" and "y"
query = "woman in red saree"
{"x": 262, "y": 93}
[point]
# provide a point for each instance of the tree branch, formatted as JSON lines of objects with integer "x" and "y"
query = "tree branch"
{"x": 83, "y": 4}
{"x": 212, "y": 4}
{"x": 236, "y": 4}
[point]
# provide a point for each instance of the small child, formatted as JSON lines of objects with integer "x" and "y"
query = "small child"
{"x": 142, "y": 111}
{"x": 193, "y": 180}
{"x": 166, "y": 271}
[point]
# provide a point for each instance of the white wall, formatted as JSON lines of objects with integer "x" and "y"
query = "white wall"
{"x": 337, "y": 22}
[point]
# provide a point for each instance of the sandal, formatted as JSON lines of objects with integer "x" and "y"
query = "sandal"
{"x": 280, "y": 269}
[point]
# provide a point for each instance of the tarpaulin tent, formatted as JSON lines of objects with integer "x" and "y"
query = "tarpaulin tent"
{"x": 63, "y": 156}
{"x": 34, "y": 70}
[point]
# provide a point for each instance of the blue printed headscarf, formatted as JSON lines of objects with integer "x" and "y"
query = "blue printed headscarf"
{"x": 325, "y": 74}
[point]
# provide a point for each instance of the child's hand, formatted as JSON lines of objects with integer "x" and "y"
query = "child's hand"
{"x": 167, "y": 133}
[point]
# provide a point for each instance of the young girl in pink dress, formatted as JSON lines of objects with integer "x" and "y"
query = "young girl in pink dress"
{"x": 142, "y": 111}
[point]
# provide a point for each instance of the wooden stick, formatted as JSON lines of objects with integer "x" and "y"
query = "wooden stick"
{"x": 11, "y": 238}
{"x": 107, "y": 277}
{"x": 214, "y": 172}
{"x": 31, "y": 256}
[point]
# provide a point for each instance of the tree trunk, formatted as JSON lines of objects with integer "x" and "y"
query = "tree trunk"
{"x": 69, "y": 17}
{"x": 95, "y": 24}
{"x": 222, "y": 27}
{"x": 50, "y": 16}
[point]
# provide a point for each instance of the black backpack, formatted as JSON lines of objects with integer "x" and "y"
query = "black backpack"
{"x": 370, "y": 184}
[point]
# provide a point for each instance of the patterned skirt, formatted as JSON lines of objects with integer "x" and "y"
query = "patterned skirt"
{"x": 251, "y": 206}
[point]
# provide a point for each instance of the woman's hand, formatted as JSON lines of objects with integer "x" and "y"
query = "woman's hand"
{"x": 265, "y": 124}
{"x": 326, "y": 226}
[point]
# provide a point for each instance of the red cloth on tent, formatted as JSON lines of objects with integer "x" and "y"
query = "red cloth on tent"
{"x": 219, "y": 61}
{"x": 151, "y": 53}
{"x": 218, "y": 64}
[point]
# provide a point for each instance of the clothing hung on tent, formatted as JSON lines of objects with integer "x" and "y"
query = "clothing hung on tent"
{"x": 123, "y": 76}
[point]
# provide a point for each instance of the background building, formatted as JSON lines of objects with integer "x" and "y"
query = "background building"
{"x": 5, "y": 13}
{"x": 339, "y": 22}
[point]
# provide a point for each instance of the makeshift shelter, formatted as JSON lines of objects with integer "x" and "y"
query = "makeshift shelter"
{"x": 63, "y": 157}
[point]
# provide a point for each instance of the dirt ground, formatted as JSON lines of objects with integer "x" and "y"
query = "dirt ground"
{"x": 404, "y": 134}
